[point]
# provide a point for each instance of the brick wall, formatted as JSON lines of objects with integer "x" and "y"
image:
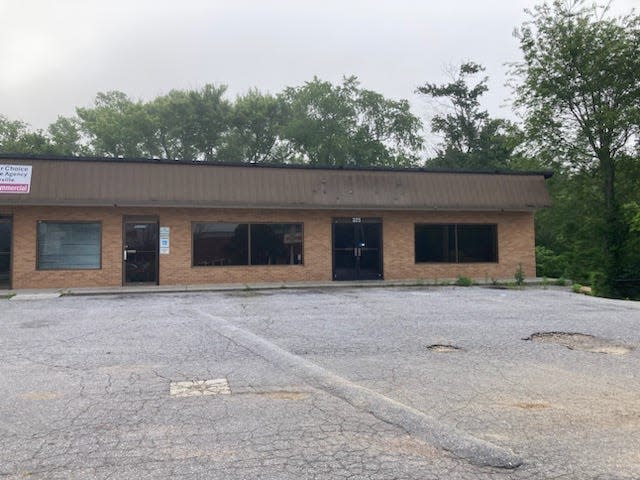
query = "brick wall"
{"x": 515, "y": 245}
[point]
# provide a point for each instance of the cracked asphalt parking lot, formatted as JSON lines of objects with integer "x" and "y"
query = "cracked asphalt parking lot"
{"x": 313, "y": 374}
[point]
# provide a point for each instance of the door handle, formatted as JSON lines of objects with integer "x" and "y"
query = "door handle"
{"x": 124, "y": 256}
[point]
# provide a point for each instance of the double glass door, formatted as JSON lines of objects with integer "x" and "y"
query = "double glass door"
{"x": 140, "y": 252}
{"x": 5, "y": 253}
{"x": 357, "y": 248}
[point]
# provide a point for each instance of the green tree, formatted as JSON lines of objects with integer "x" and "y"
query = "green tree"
{"x": 471, "y": 138}
{"x": 212, "y": 114}
{"x": 16, "y": 137}
{"x": 346, "y": 125}
{"x": 65, "y": 138}
{"x": 579, "y": 90}
{"x": 174, "y": 126}
{"x": 255, "y": 123}
{"x": 116, "y": 126}
{"x": 188, "y": 125}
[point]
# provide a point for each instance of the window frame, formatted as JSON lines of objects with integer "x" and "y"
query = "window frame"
{"x": 457, "y": 261}
{"x": 249, "y": 264}
{"x": 66, "y": 222}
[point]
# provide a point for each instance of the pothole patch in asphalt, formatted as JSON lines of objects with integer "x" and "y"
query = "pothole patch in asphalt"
{"x": 198, "y": 388}
{"x": 443, "y": 348}
{"x": 40, "y": 395}
{"x": 581, "y": 341}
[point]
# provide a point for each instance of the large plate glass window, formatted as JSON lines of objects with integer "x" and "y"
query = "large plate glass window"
{"x": 435, "y": 243}
{"x": 276, "y": 244}
{"x": 456, "y": 243}
{"x": 477, "y": 243}
{"x": 220, "y": 244}
{"x": 225, "y": 244}
{"x": 68, "y": 245}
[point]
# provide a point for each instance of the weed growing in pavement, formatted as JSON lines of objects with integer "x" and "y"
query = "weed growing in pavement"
{"x": 519, "y": 276}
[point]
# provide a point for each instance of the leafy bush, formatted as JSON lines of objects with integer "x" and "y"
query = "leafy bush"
{"x": 560, "y": 281}
{"x": 550, "y": 264}
{"x": 463, "y": 281}
{"x": 597, "y": 281}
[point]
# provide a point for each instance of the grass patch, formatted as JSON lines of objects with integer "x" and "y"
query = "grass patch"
{"x": 463, "y": 281}
{"x": 560, "y": 282}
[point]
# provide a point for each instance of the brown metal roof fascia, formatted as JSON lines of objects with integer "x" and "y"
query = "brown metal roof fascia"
{"x": 158, "y": 161}
{"x": 165, "y": 184}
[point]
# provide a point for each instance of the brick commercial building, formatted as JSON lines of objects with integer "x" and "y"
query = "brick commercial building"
{"x": 71, "y": 222}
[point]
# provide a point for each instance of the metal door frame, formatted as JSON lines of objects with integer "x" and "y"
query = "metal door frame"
{"x": 353, "y": 223}
{"x": 139, "y": 219}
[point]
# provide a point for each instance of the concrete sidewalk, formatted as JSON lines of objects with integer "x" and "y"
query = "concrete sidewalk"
{"x": 28, "y": 294}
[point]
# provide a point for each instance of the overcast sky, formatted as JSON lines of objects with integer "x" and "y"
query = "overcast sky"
{"x": 56, "y": 55}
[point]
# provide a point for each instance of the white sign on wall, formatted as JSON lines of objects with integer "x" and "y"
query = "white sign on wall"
{"x": 164, "y": 241}
{"x": 15, "y": 178}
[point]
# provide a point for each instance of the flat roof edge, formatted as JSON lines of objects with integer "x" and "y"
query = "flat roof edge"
{"x": 527, "y": 208}
{"x": 158, "y": 161}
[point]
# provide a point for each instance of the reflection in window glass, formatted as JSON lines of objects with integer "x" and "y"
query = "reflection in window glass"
{"x": 68, "y": 246}
{"x": 456, "y": 243}
{"x": 477, "y": 243}
{"x": 220, "y": 244}
{"x": 228, "y": 244}
{"x": 276, "y": 244}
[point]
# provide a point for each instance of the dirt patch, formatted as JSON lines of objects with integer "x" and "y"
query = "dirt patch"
{"x": 443, "y": 348}
{"x": 581, "y": 341}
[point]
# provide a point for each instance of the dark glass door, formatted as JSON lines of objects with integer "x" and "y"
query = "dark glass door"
{"x": 5, "y": 253}
{"x": 140, "y": 252}
{"x": 357, "y": 248}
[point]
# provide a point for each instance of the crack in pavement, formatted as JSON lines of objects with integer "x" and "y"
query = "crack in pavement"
{"x": 413, "y": 421}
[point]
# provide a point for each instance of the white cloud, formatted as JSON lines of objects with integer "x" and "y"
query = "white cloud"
{"x": 56, "y": 55}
